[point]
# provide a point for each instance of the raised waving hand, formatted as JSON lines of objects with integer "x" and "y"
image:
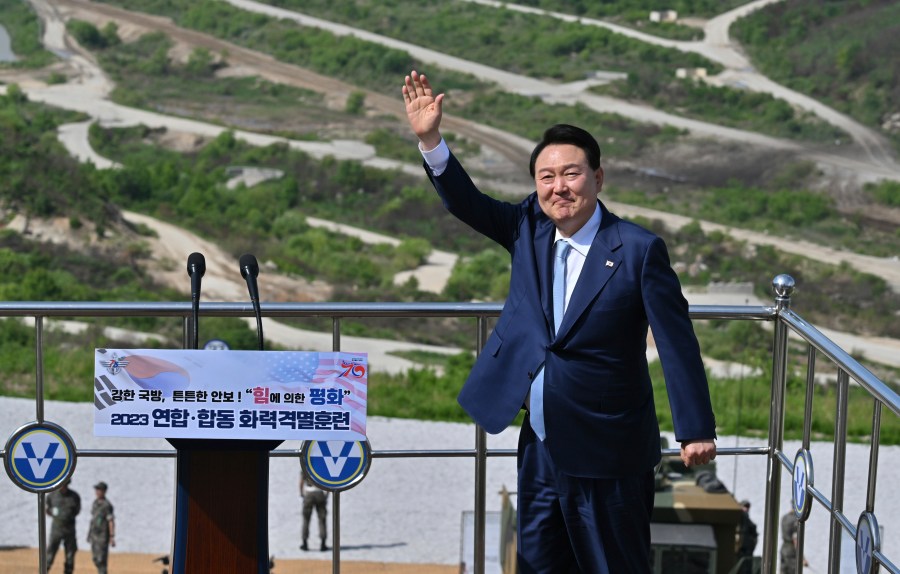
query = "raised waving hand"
{"x": 423, "y": 109}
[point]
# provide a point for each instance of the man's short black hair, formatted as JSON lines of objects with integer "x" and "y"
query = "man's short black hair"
{"x": 572, "y": 135}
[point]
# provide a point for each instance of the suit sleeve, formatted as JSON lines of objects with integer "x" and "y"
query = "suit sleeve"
{"x": 495, "y": 219}
{"x": 679, "y": 351}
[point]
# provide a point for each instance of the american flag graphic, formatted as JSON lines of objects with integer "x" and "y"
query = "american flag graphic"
{"x": 331, "y": 370}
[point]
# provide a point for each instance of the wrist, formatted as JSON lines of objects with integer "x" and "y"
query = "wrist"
{"x": 430, "y": 141}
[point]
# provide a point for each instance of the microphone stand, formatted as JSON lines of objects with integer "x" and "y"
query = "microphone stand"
{"x": 196, "y": 268}
{"x": 221, "y": 496}
{"x": 250, "y": 270}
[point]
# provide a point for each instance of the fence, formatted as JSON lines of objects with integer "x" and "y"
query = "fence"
{"x": 869, "y": 555}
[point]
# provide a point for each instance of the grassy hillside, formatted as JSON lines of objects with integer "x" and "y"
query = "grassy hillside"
{"x": 526, "y": 44}
{"x": 844, "y": 53}
{"x": 37, "y": 176}
{"x": 25, "y": 35}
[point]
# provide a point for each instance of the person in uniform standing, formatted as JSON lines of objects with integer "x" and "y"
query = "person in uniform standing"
{"x": 63, "y": 506}
{"x": 789, "y": 527}
{"x": 748, "y": 537}
{"x": 102, "y": 531}
{"x": 313, "y": 498}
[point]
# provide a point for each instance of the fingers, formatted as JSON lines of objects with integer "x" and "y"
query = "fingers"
{"x": 425, "y": 86}
{"x": 416, "y": 86}
{"x": 417, "y": 82}
{"x": 693, "y": 454}
{"x": 407, "y": 89}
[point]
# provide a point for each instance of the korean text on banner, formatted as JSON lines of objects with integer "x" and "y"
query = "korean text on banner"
{"x": 259, "y": 395}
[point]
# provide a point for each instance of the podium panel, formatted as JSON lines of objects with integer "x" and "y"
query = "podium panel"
{"x": 221, "y": 507}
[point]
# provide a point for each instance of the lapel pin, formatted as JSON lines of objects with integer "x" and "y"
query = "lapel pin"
{"x": 609, "y": 263}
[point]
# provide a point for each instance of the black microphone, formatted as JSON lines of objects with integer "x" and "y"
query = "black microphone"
{"x": 249, "y": 271}
{"x": 196, "y": 268}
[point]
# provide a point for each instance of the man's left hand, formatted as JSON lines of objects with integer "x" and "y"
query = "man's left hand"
{"x": 696, "y": 452}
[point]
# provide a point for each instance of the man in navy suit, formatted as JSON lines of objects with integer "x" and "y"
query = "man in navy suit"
{"x": 570, "y": 348}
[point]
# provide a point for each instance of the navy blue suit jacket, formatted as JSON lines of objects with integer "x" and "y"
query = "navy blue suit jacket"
{"x": 599, "y": 411}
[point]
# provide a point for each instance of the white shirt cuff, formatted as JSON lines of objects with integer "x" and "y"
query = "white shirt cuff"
{"x": 437, "y": 158}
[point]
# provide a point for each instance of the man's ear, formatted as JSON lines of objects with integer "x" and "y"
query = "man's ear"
{"x": 599, "y": 178}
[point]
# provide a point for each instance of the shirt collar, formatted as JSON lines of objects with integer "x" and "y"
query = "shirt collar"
{"x": 582, "y": 239}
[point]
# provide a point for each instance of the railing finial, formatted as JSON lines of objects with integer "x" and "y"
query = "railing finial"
{"x": 784, "y": 288}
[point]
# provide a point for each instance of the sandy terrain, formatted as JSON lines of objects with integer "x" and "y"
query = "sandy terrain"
{"x": 25, "y": 561}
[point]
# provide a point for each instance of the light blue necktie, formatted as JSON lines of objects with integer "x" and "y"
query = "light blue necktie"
{"x": 559, "y": 306}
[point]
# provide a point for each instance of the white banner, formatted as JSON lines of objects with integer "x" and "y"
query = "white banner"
{"x": 261, "y": 395}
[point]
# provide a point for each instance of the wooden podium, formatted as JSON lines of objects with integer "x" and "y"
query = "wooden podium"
{"x": 221, "y": 507}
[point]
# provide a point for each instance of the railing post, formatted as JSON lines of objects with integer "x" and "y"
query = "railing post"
{"x": 39, "y": 417}
{"x": 336, "y": 496}
{"x": 784, "y": 288}
{"x": 807, "y": 433}
{"x": 839, "y": 464}
{"x": 480, "y": 472}
{"x": 873, "y": 456}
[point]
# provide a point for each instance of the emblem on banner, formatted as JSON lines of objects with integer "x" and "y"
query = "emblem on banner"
{"x": 114, "y": 365}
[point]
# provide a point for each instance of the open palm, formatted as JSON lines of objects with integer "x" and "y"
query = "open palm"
{"x": 423, "y": 108}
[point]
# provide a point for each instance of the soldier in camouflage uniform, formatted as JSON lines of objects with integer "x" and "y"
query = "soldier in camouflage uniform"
{"x": 313, "y": 498}
{"x": 746, "y": 540}
{"x": 102, "y": 531}
{"x": 789, "y": 527}
{"x": 63, "y": 505}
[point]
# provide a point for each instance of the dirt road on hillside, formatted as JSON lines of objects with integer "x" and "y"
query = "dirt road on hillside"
{"x": 717, "y": 46}
{"x": 886, "y": 268}
{"x": 172, "y": 245}
{"x": 513, "y": 148}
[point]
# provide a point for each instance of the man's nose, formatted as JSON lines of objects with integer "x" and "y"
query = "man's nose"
{"x": 560, "y": 185}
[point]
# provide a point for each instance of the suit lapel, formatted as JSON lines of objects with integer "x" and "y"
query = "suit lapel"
{"x": 543, "y": 241}
{"x": 599, "y": 266}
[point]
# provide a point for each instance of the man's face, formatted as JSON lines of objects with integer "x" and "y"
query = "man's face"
{"x": 566, "y": 185}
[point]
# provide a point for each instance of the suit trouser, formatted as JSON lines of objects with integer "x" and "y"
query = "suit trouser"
{"x": 571, "y": 524}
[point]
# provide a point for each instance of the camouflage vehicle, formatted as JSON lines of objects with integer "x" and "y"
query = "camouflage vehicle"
{"x": 693, "y": 529}
{"x": 695, "y": 521}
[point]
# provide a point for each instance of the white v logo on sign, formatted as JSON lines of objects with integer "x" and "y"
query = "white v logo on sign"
{"x": 335, "y": 464}
{"x": 40, "y": 465}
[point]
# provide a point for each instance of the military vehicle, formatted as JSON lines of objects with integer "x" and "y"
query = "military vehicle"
{"x": 695, "y": 523}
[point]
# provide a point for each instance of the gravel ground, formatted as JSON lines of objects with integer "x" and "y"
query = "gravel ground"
{"x": 406, "y": 510}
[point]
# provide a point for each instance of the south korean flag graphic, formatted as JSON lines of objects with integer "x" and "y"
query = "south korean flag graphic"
{"x": 336, "y": 464}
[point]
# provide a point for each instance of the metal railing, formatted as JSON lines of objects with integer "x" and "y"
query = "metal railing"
{"x": 784, "y": 319}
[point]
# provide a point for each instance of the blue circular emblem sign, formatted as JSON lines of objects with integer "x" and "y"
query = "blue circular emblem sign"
{"x": 867, "y": 542}
{"x": 40, "y": 456}
{"x": 336, "y": 464}
{"x": 802, "y": 479}
{"x": 216, "y": 345}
